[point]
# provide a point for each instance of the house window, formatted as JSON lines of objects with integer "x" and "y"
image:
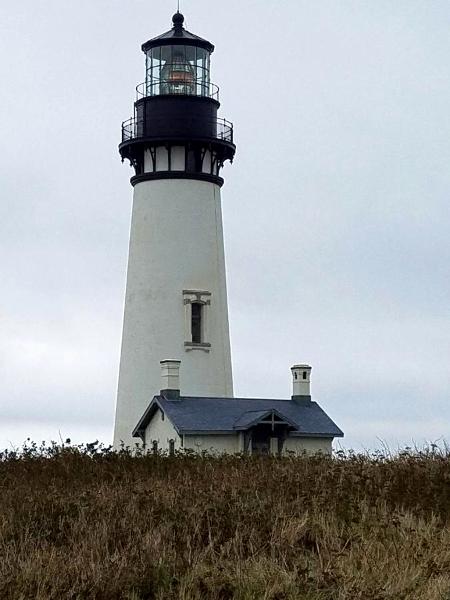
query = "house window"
{"x": 155, "y": 446}
{"x": 163, "y": 416}
{"x": 196, "y": 322}
{"x": 171, "y": 447}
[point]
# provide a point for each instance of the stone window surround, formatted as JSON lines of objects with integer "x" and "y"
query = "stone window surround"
{"x": 196, "y": 297}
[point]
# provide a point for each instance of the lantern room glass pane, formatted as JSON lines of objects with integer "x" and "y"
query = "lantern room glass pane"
{"x": 178, "y": 70}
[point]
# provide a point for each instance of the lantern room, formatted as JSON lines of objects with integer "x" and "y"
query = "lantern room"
{"x": 177, "y": 70}
{"x": 175, "y": 130}
{"x": 178, "y": 62}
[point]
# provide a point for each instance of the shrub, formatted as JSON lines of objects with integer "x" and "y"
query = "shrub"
{"x": 88, "y": 523}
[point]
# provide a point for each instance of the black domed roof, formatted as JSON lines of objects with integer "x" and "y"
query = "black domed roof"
{"x": 178, "y": 35}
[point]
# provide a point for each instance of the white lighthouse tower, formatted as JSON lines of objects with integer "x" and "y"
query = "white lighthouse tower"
{"x": 176, "y": 297}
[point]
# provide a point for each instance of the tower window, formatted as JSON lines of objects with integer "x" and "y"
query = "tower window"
{"x": 194, "y": 159}
{"x": 196, "y": 323}
{"x": 197, "y": 306}
{"x": 305, "y": 375}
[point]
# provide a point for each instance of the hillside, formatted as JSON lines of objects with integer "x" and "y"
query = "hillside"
{"x": 85, "y": 523}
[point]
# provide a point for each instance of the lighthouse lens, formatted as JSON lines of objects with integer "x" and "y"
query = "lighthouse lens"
{"x": 177, "y": 76}
{"x": 177, "y": 70}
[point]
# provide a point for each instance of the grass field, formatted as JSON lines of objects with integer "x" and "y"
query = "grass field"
{"x": 87, "y": 523}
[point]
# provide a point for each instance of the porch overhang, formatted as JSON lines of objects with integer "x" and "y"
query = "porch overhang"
{"x": 252, "y": 418}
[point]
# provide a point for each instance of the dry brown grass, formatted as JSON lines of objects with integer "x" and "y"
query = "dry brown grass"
{"x": 84, "y": 524}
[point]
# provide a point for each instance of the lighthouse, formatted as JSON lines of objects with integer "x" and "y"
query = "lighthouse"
{"x": 176, "y": 295}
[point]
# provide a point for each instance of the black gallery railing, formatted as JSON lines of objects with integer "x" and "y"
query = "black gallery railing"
{"x": 217, "y": 129}
{"x": 183, "y": 87}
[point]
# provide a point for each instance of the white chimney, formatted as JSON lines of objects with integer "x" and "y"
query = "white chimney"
{"x": 301, "y": 381}
{"x": 170, "y": 378}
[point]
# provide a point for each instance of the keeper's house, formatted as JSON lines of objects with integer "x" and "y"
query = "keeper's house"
{"x": 236, "y": 425}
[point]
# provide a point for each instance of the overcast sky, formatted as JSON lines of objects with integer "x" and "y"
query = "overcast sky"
{"x": 336, "y": 209}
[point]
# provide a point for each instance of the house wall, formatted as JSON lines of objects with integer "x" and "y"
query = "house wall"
{"x": 308, "y": 446}
{"x": 231, "y": 444}
{"x": 214, "y": 444}
{"x": 162, "y": 431}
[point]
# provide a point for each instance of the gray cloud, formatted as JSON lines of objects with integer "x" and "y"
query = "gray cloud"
{"x": 335, "y": 211}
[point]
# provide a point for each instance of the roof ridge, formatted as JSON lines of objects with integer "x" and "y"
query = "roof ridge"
{"x": 235, "y": 398}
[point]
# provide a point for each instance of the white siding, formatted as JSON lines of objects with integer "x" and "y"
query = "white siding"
{"x": 213, "y": 444}
{"x": 206, "y": 167}
{"x": 178, "y": 158}
{"x": 162, "y": 159}
{"x": 148, "y": 162}
{"x": 308, "y": 445}
{"x": 161, "y": 431}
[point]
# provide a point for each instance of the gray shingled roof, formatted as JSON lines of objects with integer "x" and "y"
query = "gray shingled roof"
{"x": 228, "y": 415}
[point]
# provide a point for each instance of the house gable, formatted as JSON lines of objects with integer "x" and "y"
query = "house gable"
{"x": 160, "y": 432}
{"x": 268, "y": 417}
